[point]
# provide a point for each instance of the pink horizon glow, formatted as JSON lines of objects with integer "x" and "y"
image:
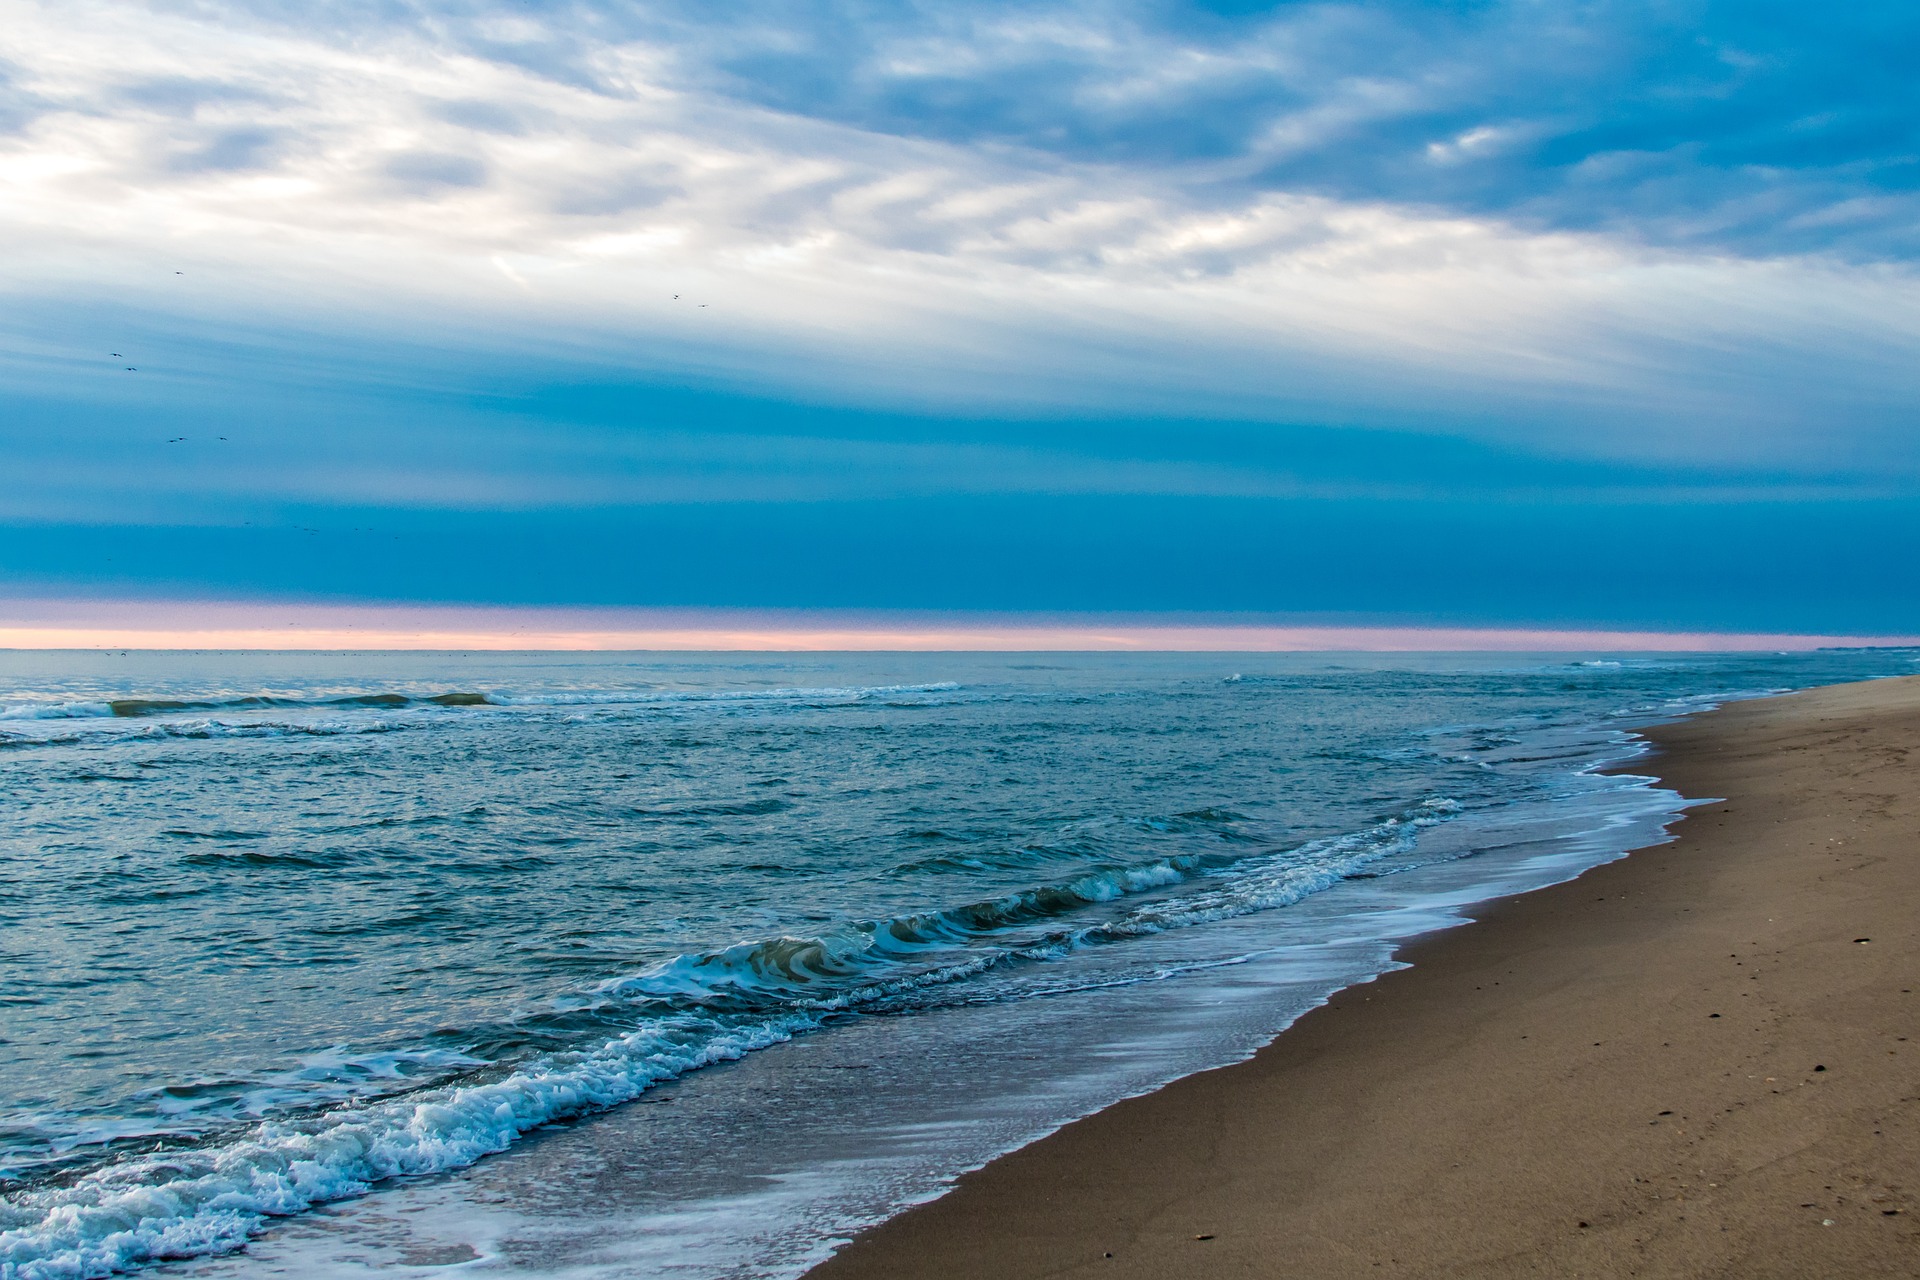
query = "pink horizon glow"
{"x": 105, "y": 624}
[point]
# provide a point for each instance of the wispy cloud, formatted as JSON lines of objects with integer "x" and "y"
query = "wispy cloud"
{"x": 469, "y": 257}
{"x": 1323, "y": 212}
{"x": 1749, "y": 128}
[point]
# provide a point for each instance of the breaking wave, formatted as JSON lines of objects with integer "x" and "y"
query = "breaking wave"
{"x": 261, "y": 715}
{"x": 690, "y": 1012}
{"x": 138, "y": 708}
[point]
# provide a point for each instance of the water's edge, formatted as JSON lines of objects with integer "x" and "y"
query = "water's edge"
{"x": 810, "y": 1061}
{"x": 1458, "y": 916}
{"x": 692, "y": 1238}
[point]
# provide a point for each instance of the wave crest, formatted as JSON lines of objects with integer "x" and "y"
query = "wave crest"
{"x": 689, "y": 1012}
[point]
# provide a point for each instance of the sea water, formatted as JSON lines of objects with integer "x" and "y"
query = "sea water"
{"x": 365, "y": 963}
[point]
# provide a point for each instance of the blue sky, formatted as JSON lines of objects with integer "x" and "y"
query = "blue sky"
{"x": 1582, "y": 314}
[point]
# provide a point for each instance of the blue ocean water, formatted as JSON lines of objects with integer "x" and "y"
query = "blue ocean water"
{"x": 280, "y": 930}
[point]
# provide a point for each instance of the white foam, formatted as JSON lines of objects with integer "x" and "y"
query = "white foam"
{"x": 56, "y": 711}
{"x": 615, "y": 698}
{"x": 334, "y": 717}
{"x": 210, "y": 1200}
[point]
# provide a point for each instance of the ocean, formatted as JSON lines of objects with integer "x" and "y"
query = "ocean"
{"x": 607, "y": 965}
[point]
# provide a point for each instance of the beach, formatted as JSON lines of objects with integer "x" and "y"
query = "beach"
{"x": 639, "y": 965}
{"x": 1699, "y": 1060}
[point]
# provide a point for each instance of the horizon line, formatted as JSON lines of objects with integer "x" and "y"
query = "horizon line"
{"x": 151, "y": 625}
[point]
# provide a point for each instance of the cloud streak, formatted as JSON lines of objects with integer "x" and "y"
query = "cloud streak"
{"x": 1001, "y": 206}
{"x": 555, "y": 260}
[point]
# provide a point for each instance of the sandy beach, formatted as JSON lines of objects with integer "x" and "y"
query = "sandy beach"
{"x": 1700, "y": 1060}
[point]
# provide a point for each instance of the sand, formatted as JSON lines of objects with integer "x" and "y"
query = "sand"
{"x": 1700, "y": 1060}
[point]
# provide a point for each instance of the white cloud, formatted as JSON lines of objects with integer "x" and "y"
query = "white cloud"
{"x": 400, "y": 182}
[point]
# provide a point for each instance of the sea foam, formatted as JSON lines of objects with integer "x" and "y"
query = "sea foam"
{"x": 695, "y": 1010}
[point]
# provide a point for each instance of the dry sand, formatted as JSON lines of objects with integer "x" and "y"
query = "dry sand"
{"x": 1701, "y": 1060}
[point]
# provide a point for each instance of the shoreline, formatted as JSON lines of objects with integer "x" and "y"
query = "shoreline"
{"x": 1546, "y": 1091}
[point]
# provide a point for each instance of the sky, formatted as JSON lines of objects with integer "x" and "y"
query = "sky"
{"x": 1474, "y": 315}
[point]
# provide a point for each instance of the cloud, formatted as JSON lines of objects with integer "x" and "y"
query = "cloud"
{"x": 1751, "y": 129}
{"x": 17, "y": 106}
{"x": 185, "y": 97}
{"x": 1065, "y": 303}
{"x": 1660, "y": 233}
{"x": 228, "y": 151}
{"x": 419, "y": 172}
{"x": 1730, "y": 126}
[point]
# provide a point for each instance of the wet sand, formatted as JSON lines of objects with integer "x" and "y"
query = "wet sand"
{"x": 1702, "y": 1060}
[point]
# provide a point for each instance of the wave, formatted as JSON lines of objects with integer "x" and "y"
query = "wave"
{"x": 638, "y": 697}
{"x": 144, "y": 708}
{"x": 201, "y": 729}
{"x": 75, "y": 722}
{"x": 686, "y": 1013}
{"x": 192, "y": 1203}
{"x": 137, "y": 708}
